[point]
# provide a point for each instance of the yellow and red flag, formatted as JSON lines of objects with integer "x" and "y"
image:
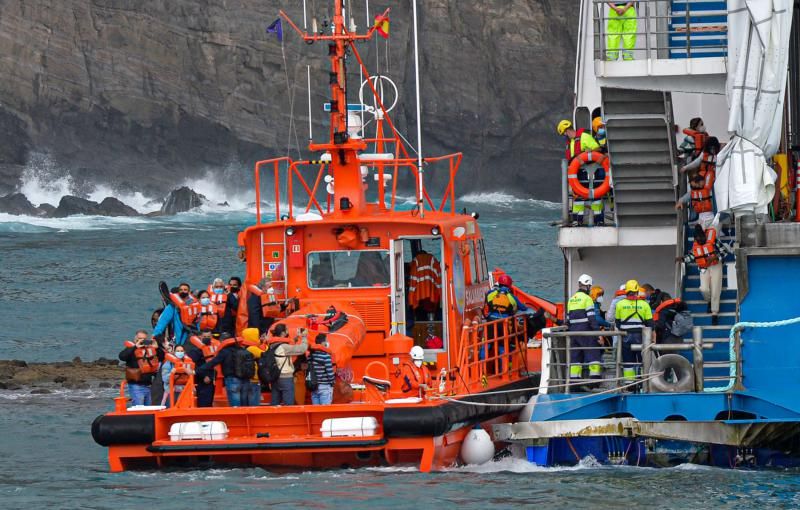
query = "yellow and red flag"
{"x": 382, "y": 25}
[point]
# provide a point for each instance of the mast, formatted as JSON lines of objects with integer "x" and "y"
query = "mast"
{"x": 345, "y": 166}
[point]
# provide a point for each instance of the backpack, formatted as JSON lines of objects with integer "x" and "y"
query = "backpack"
{"x": 268, "y": 369}
{"x": 243, "y": 364}
{"x": 311, "y": 375}
{"x": 681, "y": 324}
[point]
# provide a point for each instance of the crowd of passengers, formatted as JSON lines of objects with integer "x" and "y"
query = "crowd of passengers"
{"x": 195, "y": 335}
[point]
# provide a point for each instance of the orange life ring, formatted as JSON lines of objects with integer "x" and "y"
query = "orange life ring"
{"x": 575, "y": 166}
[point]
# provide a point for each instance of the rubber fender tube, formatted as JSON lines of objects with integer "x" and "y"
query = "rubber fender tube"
{"x": 669, "y": 364}
{"x": 121, "y": 430}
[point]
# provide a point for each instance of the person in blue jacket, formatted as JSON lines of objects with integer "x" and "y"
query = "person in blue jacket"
{"x": 171, "y": 315}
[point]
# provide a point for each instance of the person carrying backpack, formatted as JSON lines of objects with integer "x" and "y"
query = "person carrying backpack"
{"x": 238, "y": 367}
{"x": 276, "y": 366}
{"x": 320, "y": 375}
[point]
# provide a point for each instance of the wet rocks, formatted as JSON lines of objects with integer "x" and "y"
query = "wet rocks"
{"x": 110, "y": 206}
{"x": 18, "y": 204}
{"x": 75, "y": 374}
{"x": 71, "y": 205}
{"x": 181, "y": 200}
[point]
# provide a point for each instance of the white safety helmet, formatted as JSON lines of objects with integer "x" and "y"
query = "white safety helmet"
{"x": 585, "y": 279}
{"x": 417, "y": 354}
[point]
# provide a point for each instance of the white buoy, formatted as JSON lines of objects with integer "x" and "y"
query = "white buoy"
{"x": 477, "y": 447}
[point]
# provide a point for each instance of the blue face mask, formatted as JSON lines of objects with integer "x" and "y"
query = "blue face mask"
{"x": 180, "y": 355}
{"x": 218, "y": 291}
{"x": 205, "y": 301}
{"x": 601, "y": 133}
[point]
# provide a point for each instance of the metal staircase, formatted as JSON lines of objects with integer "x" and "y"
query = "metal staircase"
{"x": 641, "y": 144}
{"x": 716, "y": 366}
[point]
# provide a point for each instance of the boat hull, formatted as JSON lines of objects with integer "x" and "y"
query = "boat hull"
{"x": 427, "y": 434}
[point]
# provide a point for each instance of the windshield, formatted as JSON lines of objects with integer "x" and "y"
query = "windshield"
{"x": 364, "y": 268}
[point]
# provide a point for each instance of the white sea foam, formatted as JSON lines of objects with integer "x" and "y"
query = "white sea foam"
{"x": 499, "y": 198}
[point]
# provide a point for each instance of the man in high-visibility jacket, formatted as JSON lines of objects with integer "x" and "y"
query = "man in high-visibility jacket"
{"x": 632, "y": 314}
{"x": 579, "y": 141}
{"x": 622, "y": 22}
{"x": 581, "y": 316}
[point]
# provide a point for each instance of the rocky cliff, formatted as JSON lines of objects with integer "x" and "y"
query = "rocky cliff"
{"x": 145, "y": 94}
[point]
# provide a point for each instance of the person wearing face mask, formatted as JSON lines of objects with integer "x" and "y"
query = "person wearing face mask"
{"x": 229, "y": 317}
{"x": 182, "y": 367}
{"x": 206, "y": 348}
{"x": 694, "y": 141}
{"x": 415, "y": 376}
{"x": 171, "y": 318}
{"x": 197, "y": 315}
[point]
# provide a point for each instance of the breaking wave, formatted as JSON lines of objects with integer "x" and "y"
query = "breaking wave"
{"x": 500, "y": 199}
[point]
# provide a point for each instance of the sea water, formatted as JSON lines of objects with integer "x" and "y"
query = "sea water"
{"x": 79, "y": 286}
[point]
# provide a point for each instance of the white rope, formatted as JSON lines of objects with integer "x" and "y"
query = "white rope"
{"x": 732, "y": 347}
{"x": 580, "y": 397}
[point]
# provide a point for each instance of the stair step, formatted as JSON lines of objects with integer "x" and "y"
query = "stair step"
{"x": 645, "y": 196}
{"x": 641, "y": 170}
{"x": 643, "y": 185}
{"x": 618, "y": 145}
{"x": 653, "y": 208}
{"x": 660, "y": 157}
{"x": 646, "y": 221}
{"x": 637, "y": 106}
{"x": 729, "y": 319}
{"x": 694, "y": 293}
{"x": 618, "y": 94}
{"x": 617, "y": 130}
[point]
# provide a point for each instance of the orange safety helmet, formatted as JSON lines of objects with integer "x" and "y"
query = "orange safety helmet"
{"x": 597, "y": 123}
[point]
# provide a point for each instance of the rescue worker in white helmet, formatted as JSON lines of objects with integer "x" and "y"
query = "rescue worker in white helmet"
{"x": 579, "y": 141}
{"x": 415, "y": 376}
{"x": 581, "y": 316}
{"x": 632, "y": 314}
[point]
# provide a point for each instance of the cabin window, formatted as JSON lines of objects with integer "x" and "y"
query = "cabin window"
{"x": 348, "y": 269}
{"x": 483, "y": 263}
{"x": 472, "y": 274}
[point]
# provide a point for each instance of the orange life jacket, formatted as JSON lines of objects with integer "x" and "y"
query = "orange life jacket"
{"x": 203, "y": 317}
{"x": 663, "y": 305}
{"x": 209, "y": 351}
{"x": 269, "y": 307}
{"x": 147, "y": 359}
{"x": 181, "y": 374}
{"x": 699, "y": 140}
{"x": 708, "y": 169}
{"x": 706, "y": 255}
{"x": 412, "y": 377}
{"x": 424, "y": 281}
{"x": 701, "y": 200}
{"x": 219, "y": 300}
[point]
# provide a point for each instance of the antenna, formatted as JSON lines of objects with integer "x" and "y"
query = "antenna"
{"x": 420, "y": 198}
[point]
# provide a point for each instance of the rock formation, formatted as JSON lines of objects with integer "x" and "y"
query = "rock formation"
{"x": 17, "y": 203}
{"x": 71, "y": 205}
{"x": 147, "y": 94}
{"x": 181, "y": 200}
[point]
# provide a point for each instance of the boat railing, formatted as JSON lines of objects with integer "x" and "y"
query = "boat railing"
{"x": 559, "y": 345}
{"x": 559, "y": 348}
{"x": 310, "y": 177}
{"x": 491, "y": 352}
{"x": 664, "y": 30}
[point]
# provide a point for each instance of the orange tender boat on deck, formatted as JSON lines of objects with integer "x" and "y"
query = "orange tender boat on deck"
{"x": 355, "y": 249}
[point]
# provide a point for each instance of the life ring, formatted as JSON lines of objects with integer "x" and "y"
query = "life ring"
{"x": 670, "y": 364}
{"x": 574, "y": 167}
